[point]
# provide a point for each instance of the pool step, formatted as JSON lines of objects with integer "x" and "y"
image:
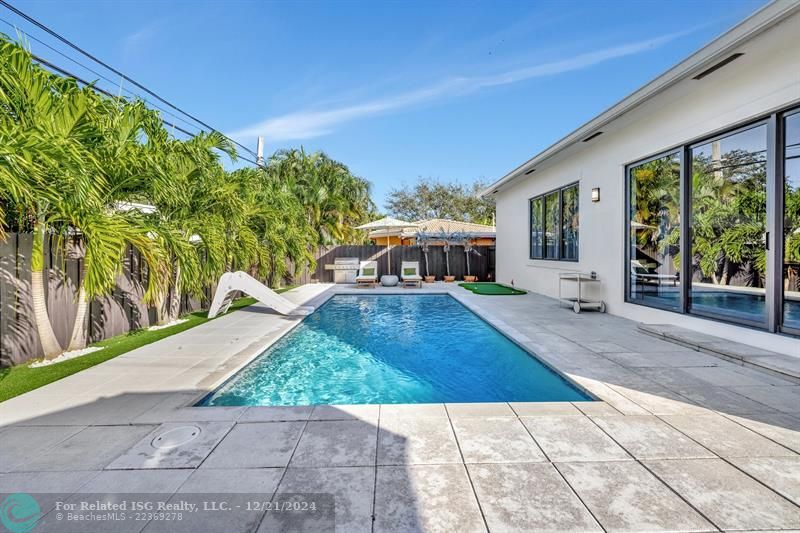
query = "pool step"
{"x": 784, "y": 366}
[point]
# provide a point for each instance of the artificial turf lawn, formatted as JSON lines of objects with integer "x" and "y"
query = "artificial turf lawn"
{"x": 491, "y": 289}
{"x": 22, "y": 378}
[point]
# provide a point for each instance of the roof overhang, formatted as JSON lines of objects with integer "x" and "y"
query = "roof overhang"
{"x": 715, "y": 51}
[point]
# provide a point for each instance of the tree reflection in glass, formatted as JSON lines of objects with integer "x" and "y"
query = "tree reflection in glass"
{"x": 569, "y": 223}
{"x": 729, "y": 211}
{"x": 654, "y": 232}
{"x": 791, "y": 224}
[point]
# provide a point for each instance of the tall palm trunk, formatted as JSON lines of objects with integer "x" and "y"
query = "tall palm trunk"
{"x": 78, "y": 338}
{"x": 175, "y": 300}
{"x": 466, "y": 257}
{"x": 160, "y": 305}
{"x": 50, "y": 345}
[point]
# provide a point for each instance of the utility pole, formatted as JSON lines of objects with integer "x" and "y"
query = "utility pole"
{"x": 260, "y": 152}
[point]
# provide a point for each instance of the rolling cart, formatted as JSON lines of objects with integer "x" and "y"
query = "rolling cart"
{"x": 579, "y": 303}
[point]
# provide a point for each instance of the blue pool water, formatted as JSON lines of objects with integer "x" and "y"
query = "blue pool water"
{"x": 741, "y": 305}
{"x": 393, "y": 349}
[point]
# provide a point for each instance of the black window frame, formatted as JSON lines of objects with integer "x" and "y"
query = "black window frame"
{"x": 775, "y": 123}
{"x": 560, "y": 224}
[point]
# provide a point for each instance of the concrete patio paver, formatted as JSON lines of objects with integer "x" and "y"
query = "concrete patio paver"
{"x": 728, "y": 497}
{"x": 648, "y": 437}
{"x": 276, "y": 414}
{"x": 658, "y": 400}
{"x": 779, "y": 427}
{"x": 351, "y": 487}
{"x": 20, "y": 443}
{"x": 145, "y": 455}
{"x": 596, "y": 408}
{"x": 725, "y": 437}
{"x": 571, "y": 438}
{"x": 48, "y": 487}
{"x": 410, "y": 441}
{"x": 90, "y": 449}
{"x": 681, "y": 359}
{"x": 450, "y": 503}
{"x": 528, "y": 497}
{"x": 624, "y": 496}
{"x": 725, "y": 400}
{"x": 784, "y": 399}
{"x": 367, "y": 413}
{"x": 544, "y": 408}
{"x": 256, "y": 446}
{"x": 152, "y": 486}
{"x": 780, "y": 473}
{"x": 336, "y": 443}
{"x": 243, "y": 482}
{"x": 495, "y": 440}
{"x": 460, "y": 410}
{"x": 419, "y": 410}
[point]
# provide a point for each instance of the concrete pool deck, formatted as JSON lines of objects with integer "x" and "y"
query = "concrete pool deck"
{"x": 681, "y": 440}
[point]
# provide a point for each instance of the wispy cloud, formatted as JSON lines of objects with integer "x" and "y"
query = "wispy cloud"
{"x": 139, "y": 40}
{"x": 312, "y": 123}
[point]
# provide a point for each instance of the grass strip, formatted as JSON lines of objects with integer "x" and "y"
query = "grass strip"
{"x": 22, "y": 378}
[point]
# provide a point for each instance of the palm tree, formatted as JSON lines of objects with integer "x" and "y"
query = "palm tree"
{"x": 180, "y": 189}
{"x": 90, "y": 152}
{"x": 55, "y": 112}
{"x": 334, "y": 199}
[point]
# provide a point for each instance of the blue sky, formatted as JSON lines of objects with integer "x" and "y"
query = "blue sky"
{"x": 456, "y": 91}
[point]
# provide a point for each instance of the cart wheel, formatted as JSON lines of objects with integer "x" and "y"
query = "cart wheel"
{"x": 602, "y": 307}
{"x": 576, "y": 307}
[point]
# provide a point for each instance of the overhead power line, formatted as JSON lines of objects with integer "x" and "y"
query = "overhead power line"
{"x": 64, "y": 72}
{"x": 117, "y": 72}
{"x": 89, "y": 69}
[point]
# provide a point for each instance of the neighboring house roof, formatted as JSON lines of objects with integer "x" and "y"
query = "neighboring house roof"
{"x": 438, "y": 225}
{"x": 715, "y": 52}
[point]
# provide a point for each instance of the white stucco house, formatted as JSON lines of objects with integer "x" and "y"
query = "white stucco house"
{"x": 683, "y": 197}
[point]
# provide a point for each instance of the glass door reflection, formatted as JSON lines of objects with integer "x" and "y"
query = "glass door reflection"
{"x": 729, "y": 213}
{"x": 791, "y": 223}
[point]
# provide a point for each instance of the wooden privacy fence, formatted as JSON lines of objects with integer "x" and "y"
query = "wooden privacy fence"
{"x": 118, "y": 313}
{"x": 123, "y": 311}
{"x": 481, "y": 264}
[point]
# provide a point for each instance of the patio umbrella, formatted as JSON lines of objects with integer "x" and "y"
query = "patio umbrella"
{"x": 386, "y": 224}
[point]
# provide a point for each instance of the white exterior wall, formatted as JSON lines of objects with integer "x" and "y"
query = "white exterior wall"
{"x": 765, "y": 79}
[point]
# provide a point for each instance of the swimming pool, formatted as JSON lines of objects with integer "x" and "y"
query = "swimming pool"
{"x": 393, "y": 349}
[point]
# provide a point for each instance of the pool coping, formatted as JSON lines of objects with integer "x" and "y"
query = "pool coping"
{"x": 243, "y": 358}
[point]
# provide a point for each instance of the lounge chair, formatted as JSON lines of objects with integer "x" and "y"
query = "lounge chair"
{"x": 367, "y": 274}
{"x": 645, "y": 276}
{"x": 409, "y": 273}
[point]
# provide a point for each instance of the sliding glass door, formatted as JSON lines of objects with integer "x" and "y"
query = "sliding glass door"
{"x": 790, "y": 286}
{"x": 728, "y": 226}
{"x": 654, "y": 232}
{"x": 712, "y": 227}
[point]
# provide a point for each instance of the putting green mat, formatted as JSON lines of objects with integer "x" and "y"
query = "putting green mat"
{"x": 491, "y": 289}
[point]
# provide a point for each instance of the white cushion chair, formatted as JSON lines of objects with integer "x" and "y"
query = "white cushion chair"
{"x": 367, "y": 274}
{"x": 409, "y": 273}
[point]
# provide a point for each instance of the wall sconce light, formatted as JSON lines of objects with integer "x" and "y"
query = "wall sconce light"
{"x": 596, "y": 194}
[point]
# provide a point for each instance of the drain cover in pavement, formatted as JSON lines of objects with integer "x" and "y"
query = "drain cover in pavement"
{"x": 176, "y": 437}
